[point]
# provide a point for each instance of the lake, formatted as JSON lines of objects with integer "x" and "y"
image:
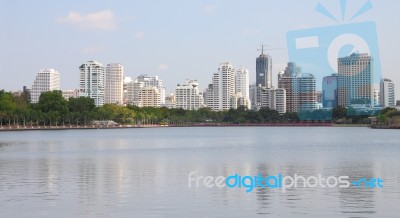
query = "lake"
{"x": 144, "y": 172}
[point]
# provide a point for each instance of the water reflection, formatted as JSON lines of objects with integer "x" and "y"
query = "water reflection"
{"x": 145, "y": 172}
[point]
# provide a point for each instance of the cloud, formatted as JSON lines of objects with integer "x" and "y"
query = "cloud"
{"x": 162, "y": 67}
{"x": 102, "y": 20}
{"x": 140, "y": 35}
{"x": 93, "y": 49}
{"x": 209, "y": 9}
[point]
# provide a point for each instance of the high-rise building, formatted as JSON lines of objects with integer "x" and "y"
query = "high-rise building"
{"x": 149, "y": 97}
{"x": 135, "y": 87}
{"x": 208, "y": 96}
{"x": 114, "y": 88}
{"x": 387, "y": 93}
{"x": 188, "y": 96}
{"x": 253, "y": 97}
{"x": 330, "y": 91}
{"x": 92, "y": 82}
{"x": 242, "y": 82}
{"x": 170, "y": 101}
{"x": 355, "y": 83}
{"x": 46, "y": 80}
{"x": 300, "y": 89}
{"x": 153, "y": 81}
{"x": 291, "y": 69}
{"x": 223, "y": 87}
{"x": 377, "y": 97}
{"x": 264, "y": 70}
{"x": 272, "y": 98}
{"x": 128, "y": 93}
{"x": 242, "y": 87}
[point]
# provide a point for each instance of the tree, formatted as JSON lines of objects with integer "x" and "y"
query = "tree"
{"x": 52, "y": 101}
{"x": 53, "y": 105}
{"x": 339, "y": 112}
{"x": 81, "y": 104}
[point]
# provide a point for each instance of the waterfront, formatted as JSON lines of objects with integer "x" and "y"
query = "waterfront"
{"x": 143, "y": 172}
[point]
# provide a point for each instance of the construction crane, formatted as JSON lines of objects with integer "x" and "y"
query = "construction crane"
{"x": 262, "y": 48}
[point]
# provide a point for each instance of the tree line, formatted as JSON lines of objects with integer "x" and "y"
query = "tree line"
{"x": 53, "y": 109}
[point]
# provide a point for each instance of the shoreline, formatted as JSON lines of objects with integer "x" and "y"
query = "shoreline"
{"x": 37, "y": 128}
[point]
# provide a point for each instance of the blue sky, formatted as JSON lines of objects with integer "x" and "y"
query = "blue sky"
{"x": 176, "y": 39}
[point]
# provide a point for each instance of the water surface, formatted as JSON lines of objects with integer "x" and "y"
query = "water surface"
{"x": 144, "y": 172}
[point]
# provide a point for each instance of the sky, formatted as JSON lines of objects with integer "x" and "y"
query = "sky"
{"x": 175, "y": 39}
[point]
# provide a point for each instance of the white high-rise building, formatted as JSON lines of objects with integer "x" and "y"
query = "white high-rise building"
{"x": 242, "y": 82}
{"x": 387, "y": 93}
{"x": 188, "y": 96}
{"x": 92, "y": 82}
{"x": 149, "y": 97}
{"x": 46, "y": 80}
{"x": 272, "y": 98}
{"x": 223, "y": 87}
{"x": 170, "y": 101}
{"x": 134, "y": 89}
{"x": 242, "y": 85}
{"x": 355, "y": 83}
{"x": 128, "y": 92}
{"x": 114, "y": 88}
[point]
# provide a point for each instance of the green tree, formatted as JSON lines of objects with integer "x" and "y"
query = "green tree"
{"x": 81, "y": 104}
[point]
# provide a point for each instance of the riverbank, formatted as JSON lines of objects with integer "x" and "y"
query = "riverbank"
{"x": 32, "y": 128}
{"x": 73, "y": 127}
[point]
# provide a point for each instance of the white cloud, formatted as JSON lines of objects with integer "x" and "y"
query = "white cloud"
{"x": 162, "y": 67}
{"x": 102, "y": 20}
{"x": 209, "y": 9}
{"x": 140, "y": 35}
{"x": 93, "y": 49}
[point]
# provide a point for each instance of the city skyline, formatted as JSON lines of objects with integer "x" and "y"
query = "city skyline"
{"x": 70, "y": 33}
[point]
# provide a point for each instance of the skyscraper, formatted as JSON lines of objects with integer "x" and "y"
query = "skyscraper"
{"x": 114, "y": 88}
{"x": 223, "y": 87}
{"x": 46, "y": 80}
{"x": 92, "y": 82}
{"x": 355, "y": 84}
{"x": 330, "y": 91}
{"x": 188, "y": 96}
{"x": 387, "y": 93}
{"x": 300, "y": 89}
{"x": 264, "y": 70}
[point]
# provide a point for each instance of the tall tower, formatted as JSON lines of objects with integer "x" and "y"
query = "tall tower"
{"x": 46, "y": 80}
{"x": 114, "y": 84}
{"x": 92, "y": 82}
{"x": 355, "y": 84}
{"x": 223, "y": 87}
{"x": 264, "y": 70}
